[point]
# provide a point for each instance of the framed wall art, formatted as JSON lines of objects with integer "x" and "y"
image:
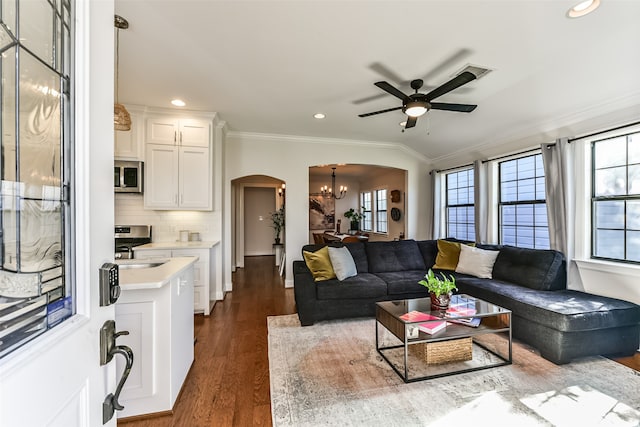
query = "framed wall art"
{"x": 322, "y": 212}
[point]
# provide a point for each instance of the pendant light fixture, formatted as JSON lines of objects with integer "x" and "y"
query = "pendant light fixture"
{"x": 328, "y": 192}
{"x": 121, "y": 117}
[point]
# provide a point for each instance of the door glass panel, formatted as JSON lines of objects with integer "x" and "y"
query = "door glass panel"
{"x": 36, "y": 292}
{"x": 36, "y": 28}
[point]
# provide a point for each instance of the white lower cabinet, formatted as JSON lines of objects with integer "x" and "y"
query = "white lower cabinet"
{"x": 202, "y": 273}
{"x": 160, "y": 325}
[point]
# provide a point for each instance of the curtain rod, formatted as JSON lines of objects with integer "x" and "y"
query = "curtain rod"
{"x": 604, "y": 131}
{"x": 450, "y": 169}
{"x": 511, "y": 155}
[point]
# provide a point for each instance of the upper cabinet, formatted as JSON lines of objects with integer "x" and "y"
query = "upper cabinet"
{"x": 178, "y": 131}
{"x": 128, "y": 145}
{"x": 178, "y": 164}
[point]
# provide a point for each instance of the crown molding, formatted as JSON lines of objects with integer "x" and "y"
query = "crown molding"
{"x": 326, "y": 141}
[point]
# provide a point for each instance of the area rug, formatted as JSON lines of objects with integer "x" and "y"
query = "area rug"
{"x": 330, "y": 374}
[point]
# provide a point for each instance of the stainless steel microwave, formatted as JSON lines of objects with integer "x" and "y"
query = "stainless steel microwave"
{"x": 128, "y": 176}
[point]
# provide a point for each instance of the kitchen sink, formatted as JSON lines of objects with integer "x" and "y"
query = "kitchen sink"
{"x": 144, "y": 264}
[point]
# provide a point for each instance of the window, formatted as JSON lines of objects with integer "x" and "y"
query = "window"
{"x": 365, "y": 203}
{"x": 615, "y": 211}
{"x": 381, "y": 211}
{"x": 374, "y": 208}
{"x": 523, "y": 208}
{"x": 459, "y": 205}
{"x": 36, "y": 292}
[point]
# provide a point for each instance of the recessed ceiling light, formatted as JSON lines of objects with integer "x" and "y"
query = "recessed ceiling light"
{"x": 319, "y": 116}
{"x": 178, "y": 102}
{"x": 583, "y": 8}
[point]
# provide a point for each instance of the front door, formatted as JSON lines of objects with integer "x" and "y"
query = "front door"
{"x": 51, "y": 93}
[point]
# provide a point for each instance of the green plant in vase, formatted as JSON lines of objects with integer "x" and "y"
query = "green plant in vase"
{"x": 354, "y": 218}
{"x": 277, "y": 223}
{"x": 440, "y": 290}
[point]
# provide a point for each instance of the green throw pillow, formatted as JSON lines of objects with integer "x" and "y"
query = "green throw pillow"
{"x": 320, "y": 264}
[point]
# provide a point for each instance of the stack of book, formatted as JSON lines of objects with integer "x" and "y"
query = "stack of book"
{"x": 436, "y": 323}
{"x": 455, "y": 313}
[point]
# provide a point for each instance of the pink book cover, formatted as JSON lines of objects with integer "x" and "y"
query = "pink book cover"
{"x": 461, "y": 311}
{"x": 417, "y": 316}
{"x": 432, "y": 327}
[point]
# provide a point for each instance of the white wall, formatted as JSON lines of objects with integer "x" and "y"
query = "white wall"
{"x": 166, "y": 225}
{"x": 288, "y": 158}
{"x": 391, "y": 180}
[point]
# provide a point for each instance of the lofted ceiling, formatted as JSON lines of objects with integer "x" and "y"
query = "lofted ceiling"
{"x": 269, "y": 66}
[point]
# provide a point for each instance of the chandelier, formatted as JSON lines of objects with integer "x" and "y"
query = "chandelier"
{"x": 328, "y": 192}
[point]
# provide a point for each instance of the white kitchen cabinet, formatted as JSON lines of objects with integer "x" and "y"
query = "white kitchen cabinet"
{"x": 160, "y": 325}
{"x": 202, "y": 275}
{"x": 178, "y": 131}
{"x": 128, "y": 145}
{"x": 178, "y": 178}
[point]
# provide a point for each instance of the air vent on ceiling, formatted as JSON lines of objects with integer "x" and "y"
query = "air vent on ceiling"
{"x": 476, "y": 70}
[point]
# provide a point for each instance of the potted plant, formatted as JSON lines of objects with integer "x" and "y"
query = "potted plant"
{"x": 354, "y": 218}
{"x": 440, "y": 290}
{"x": 277, "y": 223}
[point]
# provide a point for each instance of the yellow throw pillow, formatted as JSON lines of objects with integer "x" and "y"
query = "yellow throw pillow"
{"x": 320, "y": 264}
{"x": 448, "y": 255}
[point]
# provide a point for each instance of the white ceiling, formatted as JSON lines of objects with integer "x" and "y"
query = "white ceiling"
{"x": 268, "y": 66}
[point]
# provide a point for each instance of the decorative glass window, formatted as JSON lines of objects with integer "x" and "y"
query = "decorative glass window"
{"x": 365, "y": 203}
{"x": 523, "y": 208}
{"x": 36, "y": 292}
{"x": 616, "y": 198}
{"x": 460, "y": 214}
{"x": 381, "y": 211}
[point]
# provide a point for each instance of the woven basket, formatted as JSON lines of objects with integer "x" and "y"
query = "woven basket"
{"x": 436, "y": 353}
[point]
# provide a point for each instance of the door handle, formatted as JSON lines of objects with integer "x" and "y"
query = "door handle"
{"x": 108, "y": 349}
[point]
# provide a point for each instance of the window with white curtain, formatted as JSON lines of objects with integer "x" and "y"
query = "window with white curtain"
{"x": 615, "y": 201}
{"x": 522, "y": 203}
{"x": 460, "y": 215}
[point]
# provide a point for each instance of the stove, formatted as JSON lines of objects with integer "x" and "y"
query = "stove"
{"x": 130, "y": 236}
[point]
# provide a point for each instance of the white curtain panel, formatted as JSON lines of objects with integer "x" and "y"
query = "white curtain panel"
{"x": 436, "y": 191}
{"x": 481, "y": 200}
{"x": 559, "y": 172}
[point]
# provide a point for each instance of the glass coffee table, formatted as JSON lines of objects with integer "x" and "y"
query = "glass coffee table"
{"x": 420, "y": 344}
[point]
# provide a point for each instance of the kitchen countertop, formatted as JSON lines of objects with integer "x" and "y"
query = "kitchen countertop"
{"x": 178, "y": 245}
{"x": 152, "y": 277}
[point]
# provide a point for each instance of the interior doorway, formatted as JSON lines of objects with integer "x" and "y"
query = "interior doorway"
{"x": 254, "y": 199}
{"x": 259, "y": 203}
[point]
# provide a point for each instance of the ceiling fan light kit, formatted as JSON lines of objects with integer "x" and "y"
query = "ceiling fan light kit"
{"x": 417, "y": 104}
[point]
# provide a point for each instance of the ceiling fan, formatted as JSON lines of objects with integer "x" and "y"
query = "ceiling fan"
{"x": 416, "y": 104}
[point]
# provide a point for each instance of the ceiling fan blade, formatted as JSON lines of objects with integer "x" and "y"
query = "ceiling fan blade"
{"x": 411, "y": 122}
{"x": 379, "y": 112}
{"x": 391, "y": 90}
{"x": 452, "y": 84}
{"x": 369, "y": 98}
{"x": 461, "y": 108}
{"x": 387, "y": 73}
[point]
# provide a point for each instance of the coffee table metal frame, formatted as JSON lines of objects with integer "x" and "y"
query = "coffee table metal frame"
{"x": 388, "y": 316}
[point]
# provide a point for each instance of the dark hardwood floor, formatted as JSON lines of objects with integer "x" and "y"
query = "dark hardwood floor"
{"x": 228, "y": 384}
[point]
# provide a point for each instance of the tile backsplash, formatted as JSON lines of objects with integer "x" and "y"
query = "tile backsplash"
{"x": 166, "y": 225}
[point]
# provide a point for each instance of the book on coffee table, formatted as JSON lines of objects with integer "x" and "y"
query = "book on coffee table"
{"x": 454, "y": 314}
{"x": 426, "y": 327}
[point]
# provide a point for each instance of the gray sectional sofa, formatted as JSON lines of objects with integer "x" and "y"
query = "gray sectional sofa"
{"x": 562, "y": 324}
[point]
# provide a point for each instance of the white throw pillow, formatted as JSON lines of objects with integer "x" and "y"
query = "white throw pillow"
{"x": 343, "y": 263}
{"x": 476, "y": 262}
